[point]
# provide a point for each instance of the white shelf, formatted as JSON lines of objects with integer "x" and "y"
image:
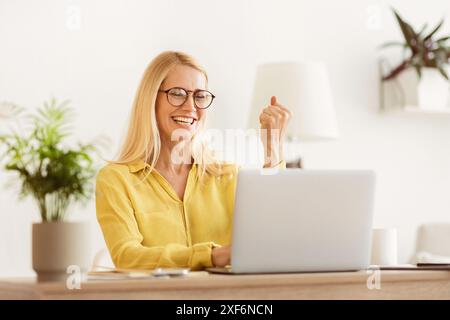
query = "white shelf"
{"x": 417, "y": 110}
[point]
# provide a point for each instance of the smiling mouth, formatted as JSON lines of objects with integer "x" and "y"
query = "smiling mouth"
{"x": 184, "y": 120}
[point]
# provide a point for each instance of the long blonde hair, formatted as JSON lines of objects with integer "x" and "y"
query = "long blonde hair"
{"x": 143, "y": 140}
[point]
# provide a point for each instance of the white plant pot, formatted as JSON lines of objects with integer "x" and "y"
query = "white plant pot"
{"x": 58, "y": 245}
{"x": 433, "y": 90}
{"x": 430, "y": 93}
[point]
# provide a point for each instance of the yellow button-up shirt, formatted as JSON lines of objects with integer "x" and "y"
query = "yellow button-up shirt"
{"x": 146, "y": 225}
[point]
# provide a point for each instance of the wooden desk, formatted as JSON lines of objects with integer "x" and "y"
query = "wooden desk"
{"x": 201, "y": 285}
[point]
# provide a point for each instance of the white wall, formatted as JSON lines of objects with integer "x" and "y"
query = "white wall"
{"x": 99, "y": 66}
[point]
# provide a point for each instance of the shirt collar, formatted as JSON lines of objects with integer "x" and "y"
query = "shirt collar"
{"x": 137, "y": 166}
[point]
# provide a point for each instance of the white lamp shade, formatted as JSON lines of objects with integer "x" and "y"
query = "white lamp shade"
{"x": 304, "y": 89}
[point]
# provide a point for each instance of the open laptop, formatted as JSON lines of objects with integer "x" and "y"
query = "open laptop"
{"x": 298, "y": 220}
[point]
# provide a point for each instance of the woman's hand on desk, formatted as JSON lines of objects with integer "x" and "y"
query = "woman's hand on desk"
{"x": 221, "y": 256}
{"x": 273, "y": 119}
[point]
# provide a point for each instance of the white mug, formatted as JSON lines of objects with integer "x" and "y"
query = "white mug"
{"x": 384, "y": 246}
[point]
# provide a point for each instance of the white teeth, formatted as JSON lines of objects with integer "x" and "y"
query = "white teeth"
{"x": 184, "y": 120}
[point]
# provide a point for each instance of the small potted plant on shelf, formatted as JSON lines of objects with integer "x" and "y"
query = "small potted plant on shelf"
{"x": 421, "y": 79}
{"x": 55, "y": 176}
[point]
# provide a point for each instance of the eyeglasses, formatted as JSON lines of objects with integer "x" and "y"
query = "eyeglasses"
{"x": 178, "y": 96}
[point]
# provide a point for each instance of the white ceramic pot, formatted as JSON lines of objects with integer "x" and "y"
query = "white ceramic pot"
{"x": 430, "y": 93}
{"x": 58, "y": 245}
{"x": 433, "y": 90}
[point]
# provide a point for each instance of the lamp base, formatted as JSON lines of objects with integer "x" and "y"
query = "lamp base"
{"x": 296, "y": 163}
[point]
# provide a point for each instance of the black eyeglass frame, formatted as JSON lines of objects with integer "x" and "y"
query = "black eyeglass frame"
{"x": 188, "y": 92}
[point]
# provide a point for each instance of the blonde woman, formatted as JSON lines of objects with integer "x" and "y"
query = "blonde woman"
{"x": 155, "y": 211}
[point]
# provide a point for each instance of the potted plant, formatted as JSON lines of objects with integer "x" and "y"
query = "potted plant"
{"x": 423, "y": 73}
{"x": 55, "y": 176}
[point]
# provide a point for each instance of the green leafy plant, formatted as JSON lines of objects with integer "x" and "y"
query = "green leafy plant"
{"x": 53, "y": 174}
{"x": 422, "y": 47}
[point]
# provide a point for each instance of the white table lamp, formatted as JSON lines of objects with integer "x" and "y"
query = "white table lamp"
{"x": 304, "y": 88}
